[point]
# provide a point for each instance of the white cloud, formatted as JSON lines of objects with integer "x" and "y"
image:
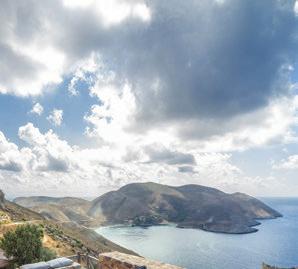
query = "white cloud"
{"x": 296, "y": 7}
{"x": 269, "y": 125}
{"x": 90, "y": 65}
{"x": 114, "y": 12}
{"x": 37, "y": 109}
{"x": 51, "y": 165}
{"x": 10, "y": 156}
{"x": 41, "y": 66}
{"x": 35, "y": 51}
{"x": 56, "y": 117}
{"x": 110, "y": 119}
{"x": 290, "y": 163}
{"x": 145, "y": 97}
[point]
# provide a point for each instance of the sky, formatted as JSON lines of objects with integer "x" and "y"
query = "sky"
{"x": 98, "y": 94}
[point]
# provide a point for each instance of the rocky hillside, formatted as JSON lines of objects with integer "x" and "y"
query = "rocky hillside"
{"x": 65, "y": 209}
{"x": 146, "y": 204}
{"x": 2, "y": 199}
{"x": 189, "y": 206}
{"x": 17, "y": 212}
{"x": 65, "y": 238}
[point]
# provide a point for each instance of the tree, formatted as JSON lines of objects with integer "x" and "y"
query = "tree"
{"x": 24, "y": 244}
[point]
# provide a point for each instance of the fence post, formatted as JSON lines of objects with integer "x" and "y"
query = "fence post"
{"x": 79, "y": 258}
{"x": 88, "y": 260}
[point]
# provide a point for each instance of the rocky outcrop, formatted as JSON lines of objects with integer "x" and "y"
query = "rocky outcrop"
{"x": 118, "y": 260}
{"x": 2, "y": 200}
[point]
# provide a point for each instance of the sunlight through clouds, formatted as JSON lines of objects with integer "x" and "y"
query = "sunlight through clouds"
{"x": 173, "y": 92}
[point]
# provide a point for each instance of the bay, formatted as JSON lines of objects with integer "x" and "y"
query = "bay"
{"x": 275, "y": 243}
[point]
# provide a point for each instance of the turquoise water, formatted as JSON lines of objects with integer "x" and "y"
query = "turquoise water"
{"x": 276, "y": 242}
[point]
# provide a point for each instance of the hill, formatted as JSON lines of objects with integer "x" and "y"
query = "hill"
{"x": 145, "y": 204}
{"x": 189, "y": 206}
{"x": 17, "y": 212}
{"x": 65, "y": 238}
{"x": 62, "y": 209}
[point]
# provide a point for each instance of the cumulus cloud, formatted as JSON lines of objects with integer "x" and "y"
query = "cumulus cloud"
{"x": 56, "y": 117}
{"x": 10, "y": 157}
{"x": 186, "y": 169}
{"x": 49, "y": 152}
{"x": 50, "y": 164}
{"x": 177, "y": 85}
{"x": 158, "y": 153}
{"x": 296, "y": 8}
{"x": 37, "y": 109}
{"x": 290, "y": 163}
{"x": 269, "y": 125}
{"x": 35, "y": 52}
{"x": 203, "y": 64}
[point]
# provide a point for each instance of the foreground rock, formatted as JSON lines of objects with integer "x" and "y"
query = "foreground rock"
{"x": 117, "y": 260}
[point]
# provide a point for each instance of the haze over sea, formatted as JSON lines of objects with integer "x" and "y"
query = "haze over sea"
{"x": 275, "y": 243}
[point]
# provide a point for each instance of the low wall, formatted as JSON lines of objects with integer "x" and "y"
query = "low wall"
{"x": 266, "y": 266}
{"x": 117, "y": 260}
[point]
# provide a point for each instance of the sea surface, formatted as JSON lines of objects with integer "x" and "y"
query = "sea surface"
{"x": 275, "y": 243}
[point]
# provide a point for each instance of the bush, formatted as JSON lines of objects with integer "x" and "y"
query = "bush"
{"x": 24, "y": 244}
{"x": 47, "y": 254}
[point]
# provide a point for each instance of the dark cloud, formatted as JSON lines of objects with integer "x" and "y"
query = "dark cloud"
{"x": 195, "y": 60}
{"x": 14, "y": 66}
{"x": 159, "y": 154}
{"x": 186, "y": 169}
{"x": 11, "y": 166}
{"x": 55, "y": 164}
{"x": 200, "y": 59}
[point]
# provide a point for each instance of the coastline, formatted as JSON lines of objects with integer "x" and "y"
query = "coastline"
{"x": 232, "y": 229}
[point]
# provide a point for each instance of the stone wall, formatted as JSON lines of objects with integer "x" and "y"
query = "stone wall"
{"x": 266, "y": 266}
{"x": 117, "y": 260}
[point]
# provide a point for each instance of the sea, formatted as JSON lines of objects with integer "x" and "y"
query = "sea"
{"x": 276, "y": 242}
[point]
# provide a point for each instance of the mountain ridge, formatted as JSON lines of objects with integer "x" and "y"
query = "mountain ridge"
{"x": 145, "y": 204}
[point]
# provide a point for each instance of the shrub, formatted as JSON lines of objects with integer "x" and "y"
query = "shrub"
{"x": 24, "y": 244}
{"x": 47, "y": 254}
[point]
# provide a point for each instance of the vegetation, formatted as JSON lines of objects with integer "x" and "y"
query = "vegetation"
{"x": 4, "y": 218}
{"x": 47, "y": 254}
{"x": 24, "y": 244}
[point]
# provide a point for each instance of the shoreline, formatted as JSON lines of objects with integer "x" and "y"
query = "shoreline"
{"x": 250, "y": 228}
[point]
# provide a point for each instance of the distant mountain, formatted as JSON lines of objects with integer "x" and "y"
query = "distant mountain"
{"x": 189, "y": 206}
{"x": 145, "y": 204}
{"x": 64, "y": 209}
{"x": 42, "y": 200}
